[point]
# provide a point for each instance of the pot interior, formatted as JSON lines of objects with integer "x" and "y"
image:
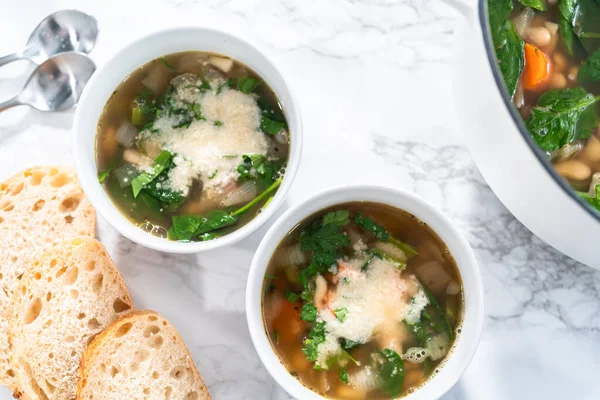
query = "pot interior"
{"x": 482, "y": 12}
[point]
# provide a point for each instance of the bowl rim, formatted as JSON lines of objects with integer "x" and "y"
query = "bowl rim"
{"x": 473, "y": 318}
{"x": 108, "y": 210}
{"x": 507, "y": 99}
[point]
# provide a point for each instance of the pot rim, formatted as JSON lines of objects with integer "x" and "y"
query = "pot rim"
{"x": 482, "y": 12}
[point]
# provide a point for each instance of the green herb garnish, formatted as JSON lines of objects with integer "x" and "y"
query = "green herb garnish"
{"x": 271, "y": 126}
{"x": 308, "y": 313}
{"x": 590, "y": 70}
{"x": 166, "y": 64}
{"x": 341, "y": 314}
{"x": 314, "y": 339}
{"x": 247, "y": 84}
{"x": 343, "y": 375}
{"x": 510, "y": 48}
{"x": 188, "y": 226}
{"x": 291, "y": 296}
{"x": 161, "y": 163}
{"x": 562, "y": 116}
{"x": 390, "y": 369}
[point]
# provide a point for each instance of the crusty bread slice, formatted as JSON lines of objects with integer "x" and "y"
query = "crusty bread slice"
{"x": 39, "y": 207}
{"x": 60, "y": 304}
{"x": 140, "y": 356}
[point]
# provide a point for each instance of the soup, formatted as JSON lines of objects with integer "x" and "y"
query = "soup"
{"x": 549, "y": 55}
{"x": 362, "y": 301}
{"x": 192, "y": 146}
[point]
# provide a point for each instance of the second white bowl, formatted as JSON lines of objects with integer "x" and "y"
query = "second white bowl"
{"x": 119, "y": 67}
{"x": 465, "y": 344}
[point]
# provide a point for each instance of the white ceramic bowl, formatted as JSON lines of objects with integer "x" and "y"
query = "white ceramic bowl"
{"x": 465, "y": 344}
{"x": 110, "y": 75}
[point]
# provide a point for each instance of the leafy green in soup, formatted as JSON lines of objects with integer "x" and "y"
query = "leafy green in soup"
{"x": 548, "y": 53}
{"x": 192, "y": 146}
{"x": 362, "y": 301}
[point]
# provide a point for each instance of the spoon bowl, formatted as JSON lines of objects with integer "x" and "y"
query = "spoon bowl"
{"x": 55, "y": 85}
{"x": 63, "y": 31}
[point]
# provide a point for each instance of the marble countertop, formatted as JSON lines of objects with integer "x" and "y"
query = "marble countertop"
{"x": 373, "y": 81}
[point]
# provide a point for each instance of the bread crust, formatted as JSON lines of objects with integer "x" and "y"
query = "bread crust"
{"x": 39, "y": 207}
{"x": 60, "y": 304}
{"x": 102, "y": 345}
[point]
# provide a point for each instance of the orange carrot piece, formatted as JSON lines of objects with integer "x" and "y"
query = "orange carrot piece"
{"x": 537, "y": 68}
{"x": 288, "y": 323}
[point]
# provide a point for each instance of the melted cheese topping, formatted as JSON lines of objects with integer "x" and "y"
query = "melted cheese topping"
{"x": 205, "y": 150}
{"x": 377, "y": 302}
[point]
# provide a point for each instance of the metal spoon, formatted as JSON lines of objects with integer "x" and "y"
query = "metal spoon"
{"x": 67, "y": 30}
{"x": 55, "y": 85}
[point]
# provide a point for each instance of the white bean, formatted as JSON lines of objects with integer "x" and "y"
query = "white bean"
{"x": 591, "y": 151}
{"x": 539, "y": 36}
{"x": 574, "y": 170}
{"x": 557, "y": 81}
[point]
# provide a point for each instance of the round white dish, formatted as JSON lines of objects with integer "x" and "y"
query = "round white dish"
{"x": 506, "y": 155}
{"x": 124, "y": 62}
{"x": 473, "y": 317}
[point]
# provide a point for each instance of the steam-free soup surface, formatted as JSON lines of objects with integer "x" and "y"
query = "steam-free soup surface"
{"x": 362, "y": 301}
{"x": 549, "y": 55}
{"x": 192, "y": 146}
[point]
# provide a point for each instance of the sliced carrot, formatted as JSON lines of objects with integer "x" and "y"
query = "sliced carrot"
{"x": 537, "y": 68}
{"x": 288, "y": 323}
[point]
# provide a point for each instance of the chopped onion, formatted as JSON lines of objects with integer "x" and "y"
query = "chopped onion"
{"x": 125, "y": 135}
{"x": 155, "y": 77}
{"x": 438, "y": 346}
{"x": 567, "y": 151}
{"x": 453, "y": 288}
{"x": 132, "y": 156}
{"x": 242, "y": 194}
{"x": 292, "y": 255}
{"x": 224, "y": 64}
{"x": 282, "y": 137}
{"x": 519, "y": 96}
{"x": 355, "y": 236}
{"x": 365, "y": 379}
{"x": 392, "y": 250}
{"x": 522, "y": 21}
{"x": 594, "y": 183}
{"x": 125, "y": 174}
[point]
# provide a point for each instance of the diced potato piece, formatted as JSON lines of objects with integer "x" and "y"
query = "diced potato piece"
{"x": 434, "y": 275}
{"x": 347, "y": 392}
{"x": 224, "y": 64}
{"x": 299, "y": 362}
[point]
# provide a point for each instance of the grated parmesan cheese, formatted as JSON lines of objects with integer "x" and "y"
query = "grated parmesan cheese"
{"x": 377, "y": 300}
{"x": 204, "y": 150}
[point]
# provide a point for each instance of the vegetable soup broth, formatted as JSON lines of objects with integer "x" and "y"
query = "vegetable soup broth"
{"x": 549, "y": 55}
{"x": 242, "y": 185}
{"x": 285, "y": 300}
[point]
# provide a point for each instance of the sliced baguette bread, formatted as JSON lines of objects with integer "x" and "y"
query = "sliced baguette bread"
{"x": 140, "y": 356}
{"x": 39, "y": 207}
{"x": 60, "y": 304}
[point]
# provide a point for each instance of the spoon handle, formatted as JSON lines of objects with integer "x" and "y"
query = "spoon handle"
{"x": 10, "y": 103}
{"x": 11, "y": 57}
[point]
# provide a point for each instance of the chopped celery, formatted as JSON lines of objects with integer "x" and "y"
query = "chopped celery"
{"x": 137, "y": 117}
{"x": 451, "y": 308}
{"x": 409, "y": 250}
{"x": 399, "y": 264}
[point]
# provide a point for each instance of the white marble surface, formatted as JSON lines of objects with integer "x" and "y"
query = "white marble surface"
{"x": 372, "y": 78}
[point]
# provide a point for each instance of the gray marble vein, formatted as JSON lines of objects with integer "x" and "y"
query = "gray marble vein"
{"x": 373, "y": 80}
